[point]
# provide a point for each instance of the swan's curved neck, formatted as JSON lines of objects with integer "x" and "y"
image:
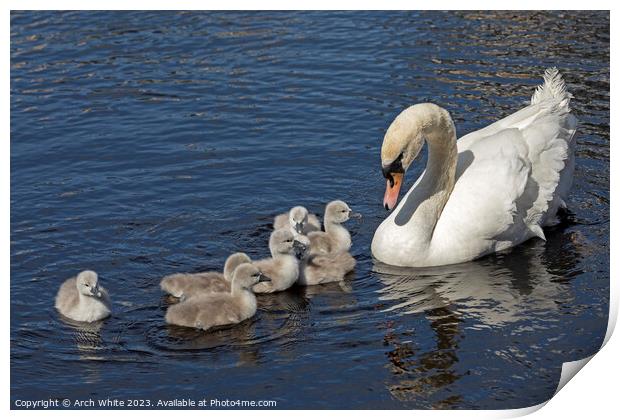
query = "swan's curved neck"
{"x": 422, "y": 209}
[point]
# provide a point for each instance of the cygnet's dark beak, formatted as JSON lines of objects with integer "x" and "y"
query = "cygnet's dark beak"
{"x": 95, "y": 291}
{"x": 262, "y": 277}
{"x": 299, "y": 247}
{"x": 354, "y": 215}
{"x": 299, "y": 227}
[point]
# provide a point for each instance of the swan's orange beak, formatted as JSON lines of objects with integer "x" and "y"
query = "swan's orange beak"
{"x": 392, "y": 189}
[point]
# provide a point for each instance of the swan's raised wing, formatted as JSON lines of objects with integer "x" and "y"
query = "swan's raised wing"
{"x": 551, "y": 143}
{"x": 548, "y": 130}
{"x": 550, "y": 98}
{"x": 510, "y": 182}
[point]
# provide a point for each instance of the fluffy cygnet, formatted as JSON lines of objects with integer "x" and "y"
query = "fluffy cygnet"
{"x": 283, "y": 267}
{"x": 184, "y": 285}
{"x": 81, "y": 298}
{"x": 336, "y": 237}
{"x": 204, "y": 311}
{"x": 298, "y": 220}
{"x": 318, "y": 269}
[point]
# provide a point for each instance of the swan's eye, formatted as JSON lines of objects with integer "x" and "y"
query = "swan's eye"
{"x": 395, "y": 167}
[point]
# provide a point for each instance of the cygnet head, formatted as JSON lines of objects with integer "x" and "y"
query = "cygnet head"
{"x": 232, "y": 262}
{"x": 247, "y": 275}
{"x": 339, "y": 212}
{"x": 298, "y": 217}
{"x": 282, "y": 242}
{"x": 88, "y": 283}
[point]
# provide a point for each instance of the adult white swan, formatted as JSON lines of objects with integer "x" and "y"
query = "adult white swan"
{"x": 491, "y": 190}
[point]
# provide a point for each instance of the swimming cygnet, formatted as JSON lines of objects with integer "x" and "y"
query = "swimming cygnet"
{"x": 298, "y": 220}
{"x": 318, "y": 269}
{"x": 184, "y": 285}
{"x": 204, "y": 311}
{"x": 81, "y": 298}
{"x": 336, "y": 237}
{"x": 283, "y": 267}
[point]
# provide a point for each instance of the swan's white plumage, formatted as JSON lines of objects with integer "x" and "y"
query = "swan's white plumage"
{"x": 511, "y": 178}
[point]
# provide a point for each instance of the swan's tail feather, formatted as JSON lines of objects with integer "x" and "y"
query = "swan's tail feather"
{"x": 553, "y": 88}
{"x": 537, "y": 231}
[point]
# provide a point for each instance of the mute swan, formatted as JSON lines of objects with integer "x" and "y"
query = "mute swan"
{"x": 493, "y": 189}
{"x": 204, "y": 311}
{"x": 298, "y": 220}
{"x": 283, "y": 267}
{"x": 336, "y": 237}
{"x": 184, "y": 285}
{"x": 319, "y": 269}
{"x": 81, "y": 298}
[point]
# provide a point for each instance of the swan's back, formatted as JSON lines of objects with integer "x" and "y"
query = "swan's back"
{"x": 512, "y": 177}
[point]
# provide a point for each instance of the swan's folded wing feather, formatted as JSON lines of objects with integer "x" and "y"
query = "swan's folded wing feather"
{"x": 550, "y": 99}
{"x": 488, "y": 190}
{"x": 516, "y": 180}
{"x": 519, "y": 120}
{"x": 551, "y": 151}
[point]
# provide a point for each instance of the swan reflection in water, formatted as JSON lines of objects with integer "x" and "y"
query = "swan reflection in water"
{"x": 90, "y": 346}
{"x": 522, "y": 289}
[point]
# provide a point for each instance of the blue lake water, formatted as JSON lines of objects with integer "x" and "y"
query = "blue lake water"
{"x": 148, "y": 143}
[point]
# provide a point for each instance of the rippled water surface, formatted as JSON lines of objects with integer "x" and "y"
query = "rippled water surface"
{"x": 144, "y": 144}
